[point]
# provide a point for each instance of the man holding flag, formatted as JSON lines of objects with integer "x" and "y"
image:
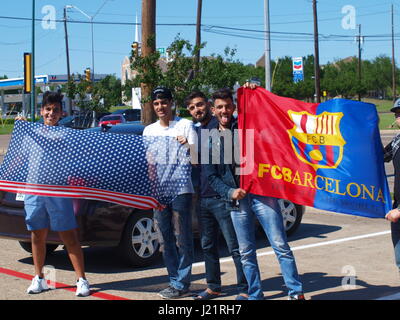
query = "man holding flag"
{"x": 223, "y": 178}
{"x": 392, "y": 154}
{"x": 55, "y": 213}
{"x": 310, "y": 154}
{"x": 174, "y": 221}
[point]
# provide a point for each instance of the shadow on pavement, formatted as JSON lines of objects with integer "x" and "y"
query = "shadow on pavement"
{"x": 317, "y": 281}
{"x": 107, "y": 261}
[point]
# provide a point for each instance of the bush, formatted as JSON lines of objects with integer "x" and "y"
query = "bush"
{"x": 184, "y": 113}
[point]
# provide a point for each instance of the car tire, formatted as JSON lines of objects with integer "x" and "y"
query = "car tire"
{"x": 140, "y": 246}
{"x": 27, "y": 246}
{"x": 292, "y": 215}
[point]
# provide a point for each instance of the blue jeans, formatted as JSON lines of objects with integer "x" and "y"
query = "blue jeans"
{"x": 395, "y": 227}
{"x": 175, "y": 226}
{"x": 214, "y": 216}
{"x": 267, "y": 211}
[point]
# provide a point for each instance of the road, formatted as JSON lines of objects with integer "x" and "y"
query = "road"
{"x": 339, "y": 257}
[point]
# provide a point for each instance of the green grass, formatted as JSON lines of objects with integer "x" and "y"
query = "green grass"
{"x": 385, "y": 121}
{"x": 6, "y": 129}
{"x": 386, "y": 118}
{"x": 381, "y": 105}
{"x": 112, "y": 109}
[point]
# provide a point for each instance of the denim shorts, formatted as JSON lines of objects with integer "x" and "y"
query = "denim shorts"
{"x": 56, "y": 214}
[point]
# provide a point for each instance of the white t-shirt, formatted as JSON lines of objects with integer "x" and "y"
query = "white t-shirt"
{"x": 177, "y": 127}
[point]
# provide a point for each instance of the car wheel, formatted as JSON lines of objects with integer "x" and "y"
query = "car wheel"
{"x": 27, "y": 246}
{"x": 140, "y": 244}
{"x": 292, "y": 215}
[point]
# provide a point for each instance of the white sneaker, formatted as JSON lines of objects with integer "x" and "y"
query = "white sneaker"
{"x": 37, "y": 286}
{"x": 82, "y": 288}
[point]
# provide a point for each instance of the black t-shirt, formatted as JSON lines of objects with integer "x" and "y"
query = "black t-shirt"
{"x": 396, "y": 165}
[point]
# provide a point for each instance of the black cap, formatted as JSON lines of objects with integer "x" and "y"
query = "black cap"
{"x": 255, "y": 81}
{"x": 161, "y": 93}
{"x": 396, "y": 106}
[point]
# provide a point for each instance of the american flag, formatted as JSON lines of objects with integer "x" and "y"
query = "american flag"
{"x": 131, "y": 170}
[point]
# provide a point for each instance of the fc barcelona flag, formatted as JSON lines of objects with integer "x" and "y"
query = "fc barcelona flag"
{"x": 326, "y": 155}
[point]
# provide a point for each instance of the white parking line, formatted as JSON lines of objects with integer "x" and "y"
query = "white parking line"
{"x": 307, "y": 246}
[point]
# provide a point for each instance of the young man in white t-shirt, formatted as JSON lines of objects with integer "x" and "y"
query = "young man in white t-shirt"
{"x": 175, "y": 221}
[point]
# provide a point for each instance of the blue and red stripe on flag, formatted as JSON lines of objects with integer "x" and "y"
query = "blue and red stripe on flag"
{"x": 129, "y": 170}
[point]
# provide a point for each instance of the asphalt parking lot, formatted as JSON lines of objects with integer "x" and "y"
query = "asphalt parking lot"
{"x": 339, "y": 257}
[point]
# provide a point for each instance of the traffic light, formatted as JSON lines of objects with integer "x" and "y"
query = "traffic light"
{"x": 27, "y": 72}
{"x": 87, "y": 74}
{"x": 135, "y": 48}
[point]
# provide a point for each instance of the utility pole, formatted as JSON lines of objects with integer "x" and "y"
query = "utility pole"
{"x": 393, "y": 61}
{"x": 69, "y": 110}
{"x": 359, "y": 61}
{"x": 148, "y": 47}
{"x": 316, "y": 55}
{"x": 33, "y": 91}
{"x": 198, "y": 36}
{"x": 267, "y": 52}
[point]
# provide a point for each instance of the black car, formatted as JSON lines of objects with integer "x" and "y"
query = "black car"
{"x": 131, "y": 231}
{"x": 130, "y": 114}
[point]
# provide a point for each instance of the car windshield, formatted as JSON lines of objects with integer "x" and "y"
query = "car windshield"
{"x": 107, "y": 118}
{"x": 66, "y": 119}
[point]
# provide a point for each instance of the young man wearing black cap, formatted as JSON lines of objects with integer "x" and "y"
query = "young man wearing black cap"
{"x": 391, "y": 153}
{"x": 174, "y": 222}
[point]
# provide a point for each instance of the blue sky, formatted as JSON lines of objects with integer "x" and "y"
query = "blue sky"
{"x": 291, "y": 27}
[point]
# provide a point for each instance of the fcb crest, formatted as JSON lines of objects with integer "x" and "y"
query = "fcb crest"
{"x": 316, "y": 139}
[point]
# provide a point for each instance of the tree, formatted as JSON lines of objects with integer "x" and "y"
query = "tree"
{"x": 108, "y": 90}
{"x": 283, "y": 79}
{"x": 104, "y": 94}
{"x": 341, "y": 79}
{"x": 215, "y": 72}
{"x": 378, "y": 75}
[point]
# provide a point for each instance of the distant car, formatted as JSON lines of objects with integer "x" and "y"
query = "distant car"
{"x": 131, "y": 231}
{"x": 76, "y": 122}
{"x": 112, "y": 120}
{"x": 130, "y": 114}
{"x": 12, "y": 114}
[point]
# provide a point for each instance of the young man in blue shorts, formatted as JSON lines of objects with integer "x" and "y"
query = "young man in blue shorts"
{"x": 44, "y": 213}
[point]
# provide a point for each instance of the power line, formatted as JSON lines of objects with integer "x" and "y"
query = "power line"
{"x": 206, "y": 27}
{"x": 96, "y": 22}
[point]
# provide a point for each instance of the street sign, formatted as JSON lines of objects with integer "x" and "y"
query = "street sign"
{"x": 161, "y": 50}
